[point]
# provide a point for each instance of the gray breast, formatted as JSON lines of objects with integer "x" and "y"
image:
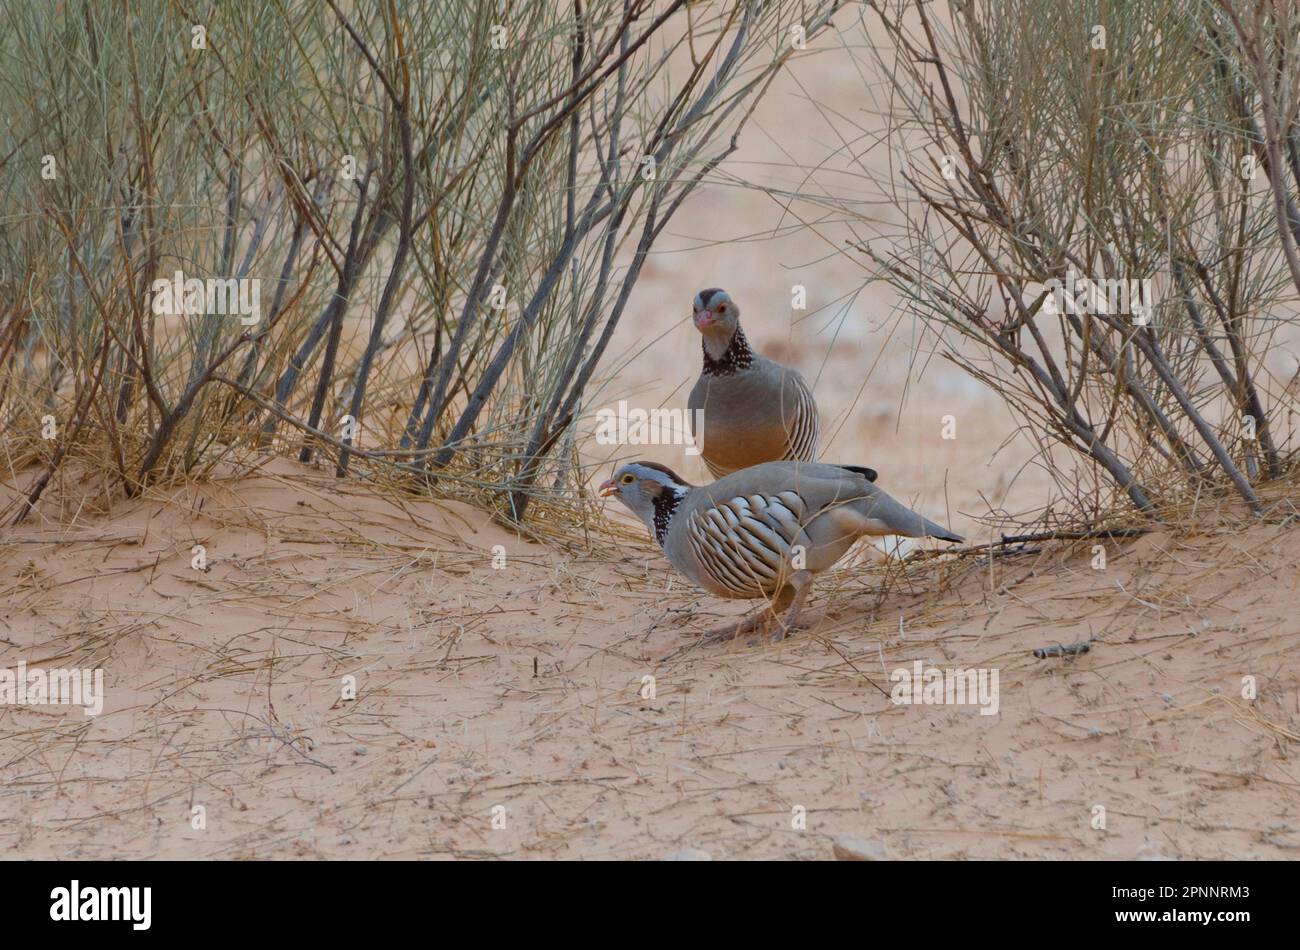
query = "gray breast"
{"x": 763, "y": 414}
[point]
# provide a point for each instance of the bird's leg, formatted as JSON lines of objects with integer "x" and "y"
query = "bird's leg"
{"x": 791, "y": 600}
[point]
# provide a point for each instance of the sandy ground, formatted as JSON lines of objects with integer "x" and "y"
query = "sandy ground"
{"x": 521, "y": 687}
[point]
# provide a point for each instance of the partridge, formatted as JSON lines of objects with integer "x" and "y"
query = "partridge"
{"x": 754, "y": 410}
{"x": 764, "y": 531}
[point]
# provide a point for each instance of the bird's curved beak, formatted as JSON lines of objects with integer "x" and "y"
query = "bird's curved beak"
{"x": 608, "y": 488}
{"x": 703, "y": 319}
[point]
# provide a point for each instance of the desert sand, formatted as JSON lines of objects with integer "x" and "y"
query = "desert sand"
{"x": 522, "y": 687}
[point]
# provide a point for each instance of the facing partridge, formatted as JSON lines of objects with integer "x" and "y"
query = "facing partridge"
{"x": 754, "y": 410}
{"x": 764, "y": 531}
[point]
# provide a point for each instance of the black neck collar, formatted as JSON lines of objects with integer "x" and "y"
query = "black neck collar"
{"x": 737, "y": 356}
{"x": 666, "y": 503}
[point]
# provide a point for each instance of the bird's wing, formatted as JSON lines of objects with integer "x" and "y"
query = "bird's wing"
{"x": 834, "y": 489}
{"x": 744, "y": 542}
{"x": 799, "y": 415}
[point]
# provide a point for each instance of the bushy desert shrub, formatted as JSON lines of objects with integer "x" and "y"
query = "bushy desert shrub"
{"x": 444, "y": 204}
{"x": 1100, "y": 199}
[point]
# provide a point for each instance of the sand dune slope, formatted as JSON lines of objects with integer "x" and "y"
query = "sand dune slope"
{"x": 513, "y": 696}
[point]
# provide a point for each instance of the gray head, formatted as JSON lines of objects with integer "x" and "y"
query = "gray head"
{"x": 651, "y": 491}
{"x": 715, "y": 313}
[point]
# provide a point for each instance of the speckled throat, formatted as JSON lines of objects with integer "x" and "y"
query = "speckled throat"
{"x": 737, "y": 356}
{"x": 666, "y": 503}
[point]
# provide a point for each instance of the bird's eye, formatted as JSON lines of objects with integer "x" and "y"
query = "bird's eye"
{"x": 627, "y": 479}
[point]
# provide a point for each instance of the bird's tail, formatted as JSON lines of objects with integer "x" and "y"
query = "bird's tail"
{"x": 891, "y": 517}
{"x": 933, "y": 530}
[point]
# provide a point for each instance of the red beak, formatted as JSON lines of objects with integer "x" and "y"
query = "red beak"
{"x": 608, "y": 488}
{"x": 703, "y": 319}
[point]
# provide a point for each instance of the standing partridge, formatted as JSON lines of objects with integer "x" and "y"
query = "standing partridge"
{"x": 764, "y": 531}
{"x": 754, "y": 410}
